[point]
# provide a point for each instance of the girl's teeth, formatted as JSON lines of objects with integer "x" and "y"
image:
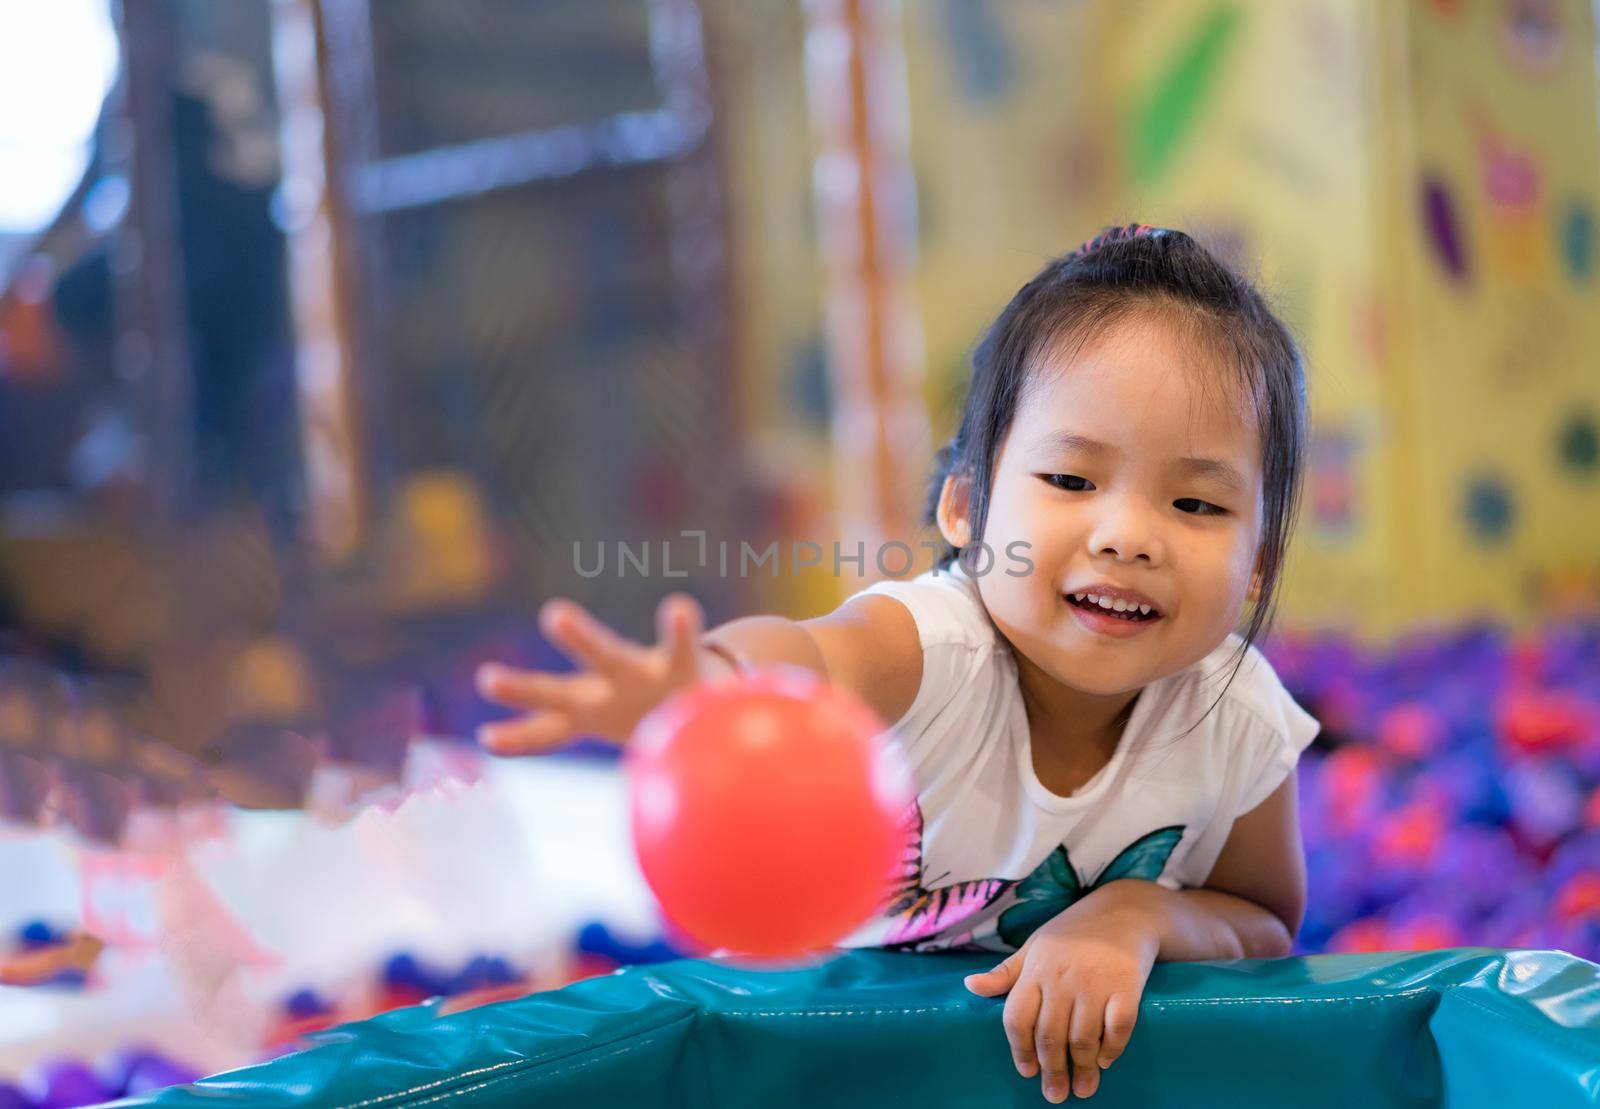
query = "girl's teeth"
{"x": 1109, "y": 605}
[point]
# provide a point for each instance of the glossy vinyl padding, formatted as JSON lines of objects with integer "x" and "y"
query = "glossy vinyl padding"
{"x": 1460, "y": 1028}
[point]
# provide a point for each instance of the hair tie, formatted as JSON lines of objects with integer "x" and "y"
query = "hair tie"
{"x": 1117, "y": 235}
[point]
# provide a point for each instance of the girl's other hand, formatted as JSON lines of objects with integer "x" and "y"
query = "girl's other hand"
{"x": 1074, "y": 989}
{"x": 617, "y": 682}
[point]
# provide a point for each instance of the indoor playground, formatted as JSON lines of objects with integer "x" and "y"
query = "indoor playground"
{"x": 343, "y": 341}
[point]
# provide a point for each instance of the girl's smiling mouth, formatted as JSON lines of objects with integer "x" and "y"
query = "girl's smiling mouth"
{"x": 1097, "y": 613}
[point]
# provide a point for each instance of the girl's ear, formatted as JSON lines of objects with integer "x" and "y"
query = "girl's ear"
{"x": 954, "y": 504}
{"x": 1254, "y": 595}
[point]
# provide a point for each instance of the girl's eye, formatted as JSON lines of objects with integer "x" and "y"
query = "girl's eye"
{"x": 1072, "y": 483}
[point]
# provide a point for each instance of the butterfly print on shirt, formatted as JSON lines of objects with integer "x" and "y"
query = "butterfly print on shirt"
{"x": 920, "y": 912}
{"x": 1054, "y": 885}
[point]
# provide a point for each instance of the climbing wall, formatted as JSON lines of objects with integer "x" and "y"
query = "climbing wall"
{"x": 1491, "y": 195}
{"x": 1255, "y": 127}
{"x": 1414, "y": 184}
{"x": 1417, "y": 184}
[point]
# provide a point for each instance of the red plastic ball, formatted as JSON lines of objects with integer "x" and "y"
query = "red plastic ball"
{"x": 1579, "y": 897}
{"x": 767, "y": 812}
{"x": 1536, "y": 721}
{"x": 1410, "y": 731}
{"x": 1365, "y": 934}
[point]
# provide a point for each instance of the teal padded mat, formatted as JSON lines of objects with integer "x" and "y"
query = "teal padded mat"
{"x": 1461, "y": 1028}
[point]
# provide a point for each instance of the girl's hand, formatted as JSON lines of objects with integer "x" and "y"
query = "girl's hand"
{"x": 1074, "y": 986}
{"x": 617, "y": 683}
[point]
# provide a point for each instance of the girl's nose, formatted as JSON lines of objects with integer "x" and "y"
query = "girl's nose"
{"x": 1126, "y": 532}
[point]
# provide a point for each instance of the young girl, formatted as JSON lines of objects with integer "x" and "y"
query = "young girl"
{"x": 1105, "y": 769}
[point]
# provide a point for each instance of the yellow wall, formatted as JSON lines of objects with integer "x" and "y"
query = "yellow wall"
{"x": 1254, "y": 125}
{"x": 1295, "y": 138}
{"x": 1493, "y": 364}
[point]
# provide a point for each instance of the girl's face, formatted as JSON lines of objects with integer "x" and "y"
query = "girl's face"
{"x": 1134, "y": 466}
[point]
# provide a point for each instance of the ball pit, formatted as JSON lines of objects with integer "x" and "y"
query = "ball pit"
{"x": 1454, "y": 796}
{"x": 63, "y": 1082}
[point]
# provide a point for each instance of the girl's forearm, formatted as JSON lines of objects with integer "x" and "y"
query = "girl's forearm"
{"x": 752, "y": 642}
{"x": 1197, "y": 924}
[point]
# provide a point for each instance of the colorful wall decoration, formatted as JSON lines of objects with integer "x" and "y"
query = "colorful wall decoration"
{"x": 1417, "y": 186}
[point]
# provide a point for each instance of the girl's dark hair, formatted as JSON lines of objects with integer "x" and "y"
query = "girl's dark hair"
{"x": 1121, "y": 273}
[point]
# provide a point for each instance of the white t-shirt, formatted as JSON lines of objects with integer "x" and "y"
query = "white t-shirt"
{"x": 998, "y": 854}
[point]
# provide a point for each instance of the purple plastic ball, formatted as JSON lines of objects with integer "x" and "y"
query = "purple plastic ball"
{"x": 305, "y": 1003}
{"x": 64, "y": 1083}
{"x": 156, "y": 1072}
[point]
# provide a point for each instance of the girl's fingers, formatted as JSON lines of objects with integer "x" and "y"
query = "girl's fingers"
{"x": 528, "y": 735}
{"x": 535, "y": 689}
{"x": 1020, "y": 1016}
{"x": 1122, "y": 1011}
{"x": 1050, "y": 1041}
{"x": 679, "y": 623}
{"x": 1083, "y": 1037}
{"x": 586, "y": 639}
{"x": 993, "y": 983}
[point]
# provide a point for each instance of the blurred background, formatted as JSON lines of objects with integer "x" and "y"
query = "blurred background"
{"x": 336, "y": 335}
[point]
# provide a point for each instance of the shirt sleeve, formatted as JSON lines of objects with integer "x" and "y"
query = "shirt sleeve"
{"x": 1281, "y": 733}
{"x": 957, "y": 640}
{"x": 944, "y": 611}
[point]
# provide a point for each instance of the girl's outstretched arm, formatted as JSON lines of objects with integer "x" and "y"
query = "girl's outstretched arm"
{"x": 868, "y": 646}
